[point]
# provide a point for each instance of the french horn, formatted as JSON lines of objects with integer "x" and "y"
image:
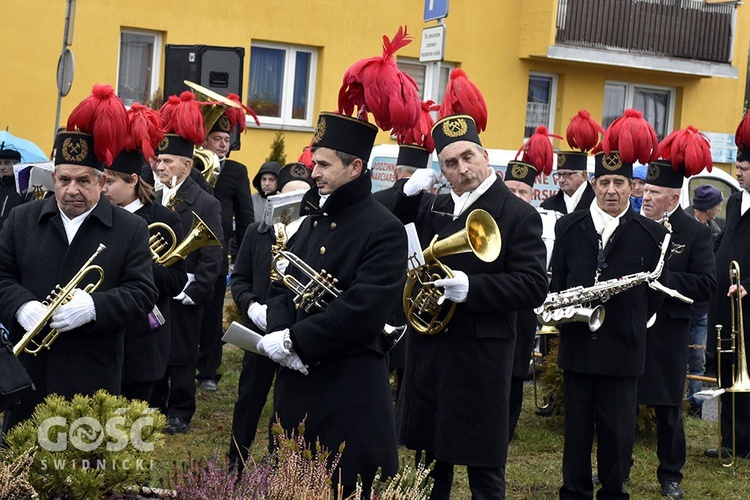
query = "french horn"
{"x": 422, "y": 302}
{"x": 200, "y": 235}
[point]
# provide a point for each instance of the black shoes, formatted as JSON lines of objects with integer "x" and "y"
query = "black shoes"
{"x": 671, "y": 489}
{"x": 696, "y": 410}
{"x": 176, "y": 426}
{"x": 714, "y": 452}
{"x": 209, "y": 385}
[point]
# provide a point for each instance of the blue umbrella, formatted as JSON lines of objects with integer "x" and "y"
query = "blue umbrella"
{"x": 30, "y": 152}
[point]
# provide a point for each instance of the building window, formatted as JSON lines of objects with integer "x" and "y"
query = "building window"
{"x": 282, "y": 83}
{"x": 656, "y": 104}
{"x": 540, "y": 109}
{"x": 140, "y": 53}
{"x": 424, "y": 75}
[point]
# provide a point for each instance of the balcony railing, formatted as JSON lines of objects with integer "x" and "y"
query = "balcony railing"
{"x": 685, "y": 29}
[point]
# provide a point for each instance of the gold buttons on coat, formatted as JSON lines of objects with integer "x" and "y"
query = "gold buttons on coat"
{"x": 322, "y": 250}
{"x": 315, "y": 223}
{"x": 333, "y": 225}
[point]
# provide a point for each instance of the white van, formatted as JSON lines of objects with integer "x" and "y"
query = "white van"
{"x": 382, "y": 164}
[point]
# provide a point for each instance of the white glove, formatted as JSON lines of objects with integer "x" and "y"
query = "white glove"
{"x": 30, "y": 313}
{"x": 455, "y": 288}
{"x": 421, "y": 180}
{"x": 272, "y": 345}
{"x": 294, "y": 363}
{"x": 186, "y": 300}
{"x": 78, "y": 311}
{"x": 281, "y": 265}
{"x": 257, "y": 314}
{"x": 181, "y": 296}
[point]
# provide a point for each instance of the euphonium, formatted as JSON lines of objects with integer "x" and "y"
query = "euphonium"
{"x": 156, "y": 241}
{"x": 213, "y": 106}
{"x": 200, "y": 235}
{"x": 424, "y": 310}
{"x": 54, "y": 300}
{"x": 740, "y": 376}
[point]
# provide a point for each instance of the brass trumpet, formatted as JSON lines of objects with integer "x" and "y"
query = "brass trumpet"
{"x": 740, "y": 376}
{"x": 200, "y": 235}
{"x": 424, "y": 309}
{"x": 54, "y": 300}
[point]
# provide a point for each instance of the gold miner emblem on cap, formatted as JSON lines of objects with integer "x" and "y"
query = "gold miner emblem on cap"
{"x": 224, "y": 124}
{"x": 299, "y": 171}
{"x": 320, "y": 130}
{"x": 612, "y": 162}
{"x": 561, "y": 159}
{"x": 519, "y": 171}
{"x": 164, "y": 144}
{"x": 652, "y": 173}
{"x": 75, "y": 152}
{"x": 455, "y": 127}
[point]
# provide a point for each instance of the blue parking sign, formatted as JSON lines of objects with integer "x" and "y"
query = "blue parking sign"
{"x": 435, "y": 9}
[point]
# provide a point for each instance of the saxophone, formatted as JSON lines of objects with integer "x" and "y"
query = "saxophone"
{"x": 575, "y": 304}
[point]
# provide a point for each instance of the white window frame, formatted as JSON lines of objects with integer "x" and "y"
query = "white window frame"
{"x": 287, "y": 90}
{"x": 431, "y": 74}
{"x": 553, "y": 98}
{"x": 154, "y": 83}
{"x": 630, "y": 89}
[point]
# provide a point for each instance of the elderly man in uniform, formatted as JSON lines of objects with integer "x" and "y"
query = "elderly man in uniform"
{"x": 691, "y": 272}
{"x": 575, "y": 191}
{"x": 45, "y": 243}
{"x": 334, "y": 371}
{"x": 601, "y": 368}
{"x": 454, "y": 401}
{"x": 175, "y": 393}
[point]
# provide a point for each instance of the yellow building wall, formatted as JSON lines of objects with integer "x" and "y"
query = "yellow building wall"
{"x": 496, "y": 43}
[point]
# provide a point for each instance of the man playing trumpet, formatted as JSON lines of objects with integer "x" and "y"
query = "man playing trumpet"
{"x": 46, "y": 242}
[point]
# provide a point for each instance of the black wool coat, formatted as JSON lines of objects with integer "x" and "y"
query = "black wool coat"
{"x": 147, "y": 348}
{"x": 618, "y": 348}
{"x": 204, "y": 263}
{"x": 557, "y": 202}
{"x": 346, "y": 396}
{"x": 35, "y": 257}
{"x": 454, "y": 398}
{"x": 691, "y": 272}
{"x": 252, "y": 270}
{"x": 232, "y": 189}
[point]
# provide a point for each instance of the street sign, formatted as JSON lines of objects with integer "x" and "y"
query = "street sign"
{"x": 433, "y": 44}
{"x": 435, "y": 9}
{"x": 65, "y": 72}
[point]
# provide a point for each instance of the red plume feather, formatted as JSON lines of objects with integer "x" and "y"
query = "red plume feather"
{"x": 742, "y": 135}
{"x": 306, "y": 157}
{"x": 144, "y": 130}
{"x": 632, "y": 137}
{"x": 376, "y": 85}
{"x": 538, "y": 150}
{"x": 463, "y": 97}
{"x": 103, "y": 115}
{"x": 421, "y": 134}
{"x": 583, "y": 131}
{"x": 689, "y": 148}
{"x": 182, "y": 116}
{"x": 237, "y": 115}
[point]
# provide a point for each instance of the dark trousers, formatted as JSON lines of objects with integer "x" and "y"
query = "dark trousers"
{"x": 174, "y": 395}
{"x": 485, "y": 483}
{"x": 209, "y": 350}
{"x": 138, "y": 390}
{"x": 741, "y": 416}
{"x": 670, "y": 445}
{"x": 607, "y": 404}
{"x": 255, "y": 382}
{"x": 514, "y": 404}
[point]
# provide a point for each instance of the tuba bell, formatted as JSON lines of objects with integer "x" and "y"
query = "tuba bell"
{"x": 212, "y": 106}
{"x": 200, "y": 235}
{"x": 422, "y": 300}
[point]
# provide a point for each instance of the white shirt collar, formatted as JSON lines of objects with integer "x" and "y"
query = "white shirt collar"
{"x": 745, "y": 202}
{"x": 72, "y": 225}
{"x": 133, "y": 206}
{"x": 463, "y": 202}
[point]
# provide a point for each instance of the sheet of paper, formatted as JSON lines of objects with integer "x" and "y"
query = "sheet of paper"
{"x": 242, "y": 337}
